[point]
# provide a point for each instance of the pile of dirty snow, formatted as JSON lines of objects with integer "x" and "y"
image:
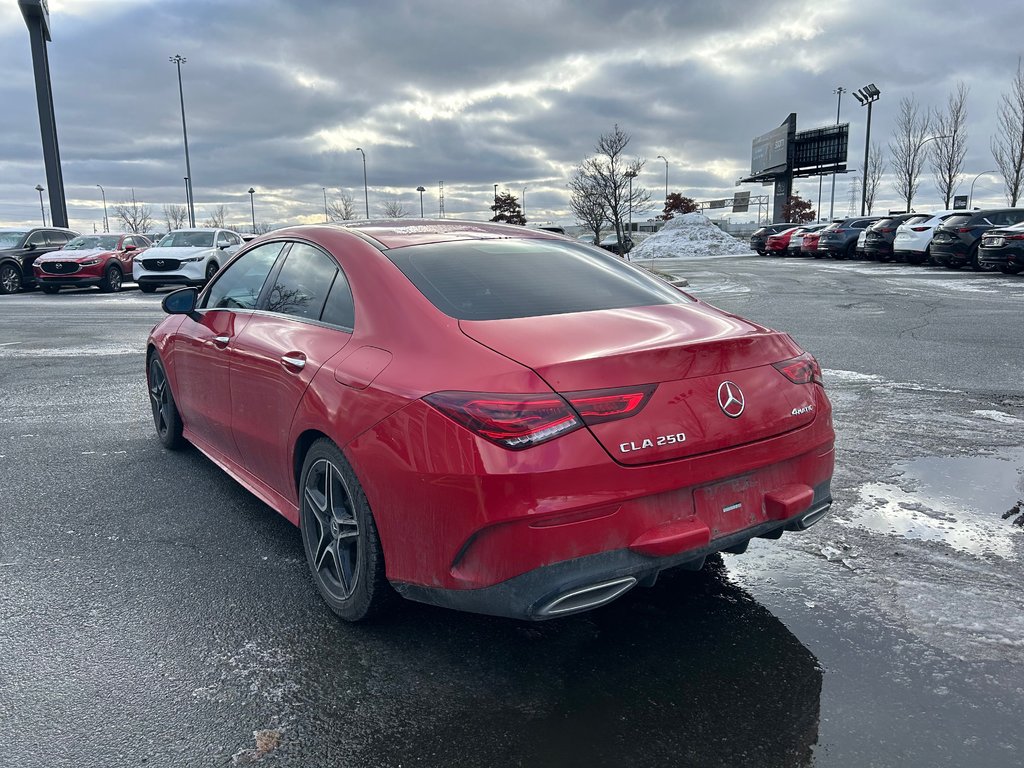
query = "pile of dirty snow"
{"x": 691, "y": 234}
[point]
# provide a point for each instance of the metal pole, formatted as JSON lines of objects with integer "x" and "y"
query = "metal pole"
{"x": 326, "y": 220}
{"x": 666, "y": 176}
{"x": 819, "y": 197}
{"x": 39, "y": 189}
{"x": 106, "y": 225}
{"x": 188, "y": 199}
{"x": 867, "y": 146}
{"x": 252, "y": 207}
{"x": 832, "y": 199}
{"x": 970, "y": 199}
{"x": 366, "y": 192}
{"x": 178, "y": 60}
{"x": 421, "y": 189}
{"x": 524, "y": 203}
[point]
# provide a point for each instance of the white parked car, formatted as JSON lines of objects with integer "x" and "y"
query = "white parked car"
{"x": 914, "y": 236}
{"x": 185, "y": 257}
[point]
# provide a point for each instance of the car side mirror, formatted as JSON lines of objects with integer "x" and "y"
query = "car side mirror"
{"x": 129, "y": 248}
{"x": 30, "y": 246}
{"x": 181, "y": 302}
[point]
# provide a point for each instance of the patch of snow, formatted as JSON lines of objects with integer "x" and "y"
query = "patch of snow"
{"x": 1002, "y": 418}
{"x": 691, "y": 234}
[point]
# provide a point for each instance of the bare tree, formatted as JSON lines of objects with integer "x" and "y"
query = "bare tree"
{"x": 873, "y": 177}
{"x": 176, "y": 216}
{"x": 342, "y": 209}
{"x": 135, "y": 216}
{"x": 217, "y": 217}
{"x": 1008, "y": 143}
{"x": 610, "y": 174}
{"x": 393, "y": 209}
{"x": 950, "y": 145}
{"x": 586, "y": 204}
{"x": 261, "y": 228}
{"x": 908, "y": 136}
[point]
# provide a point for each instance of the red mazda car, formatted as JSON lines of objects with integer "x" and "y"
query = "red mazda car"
{"x": 487, "y": 417}
{"x": 101, "y": 260}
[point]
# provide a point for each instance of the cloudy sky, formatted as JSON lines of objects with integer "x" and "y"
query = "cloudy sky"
{"x": 279, "y": 93}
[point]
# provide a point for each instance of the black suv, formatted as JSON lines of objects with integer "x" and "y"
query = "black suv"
{"x": 957, "y": 239}
{"x": 880, "y": 235}
{"x": 839, "y": 239}
{"x": 19, "y": 247}
{"x": 759, "y": 240}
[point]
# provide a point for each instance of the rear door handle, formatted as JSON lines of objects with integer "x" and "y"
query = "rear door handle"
{"x": 295, "y": 360}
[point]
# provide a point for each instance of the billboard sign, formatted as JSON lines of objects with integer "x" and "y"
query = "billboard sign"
{"x": 769, "y": 151}
{"x": 960, "y": 203}
{"x": 740, "y": 202}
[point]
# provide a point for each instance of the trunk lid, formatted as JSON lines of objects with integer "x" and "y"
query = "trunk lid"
{"x": 699, "y": 357}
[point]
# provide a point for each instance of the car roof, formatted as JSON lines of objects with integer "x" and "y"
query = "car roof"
{"x": 399, "y": 233}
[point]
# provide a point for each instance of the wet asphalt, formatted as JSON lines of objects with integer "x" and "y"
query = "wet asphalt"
{"x": 154, "y": 613}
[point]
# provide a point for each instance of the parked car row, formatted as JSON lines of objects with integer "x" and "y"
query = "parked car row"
{"x": 985, "y": 240}
{"x": 52, "y": 258}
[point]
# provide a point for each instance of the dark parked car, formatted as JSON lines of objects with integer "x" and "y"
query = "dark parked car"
{"x": 1003, "y": 249}
{"x": 839, "y": 239}
{"x": 759, "y": 240}
{"x": 20, "y": 247}
{"x": 880, "y": 235}
{"x": 958, "y": 239}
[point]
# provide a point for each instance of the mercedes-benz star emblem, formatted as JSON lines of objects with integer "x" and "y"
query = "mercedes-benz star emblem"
{"x": 730, "y": 399}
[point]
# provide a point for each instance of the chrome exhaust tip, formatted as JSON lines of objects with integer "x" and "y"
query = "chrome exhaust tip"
{"x": 806, "y": 521}
{"x": 588, "y": 597}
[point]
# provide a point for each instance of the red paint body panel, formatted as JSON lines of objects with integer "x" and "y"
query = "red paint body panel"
{"x": 454, "y": 510}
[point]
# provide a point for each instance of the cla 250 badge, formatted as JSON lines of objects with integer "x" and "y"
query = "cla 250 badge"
{"x": 652, "y": 442}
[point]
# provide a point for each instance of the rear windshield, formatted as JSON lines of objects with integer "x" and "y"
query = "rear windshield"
{"x": 918, "y": 219}
{"x": 502, "y": 279}
{"x": 957, "y": 221}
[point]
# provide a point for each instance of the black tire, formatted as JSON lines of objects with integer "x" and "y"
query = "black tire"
{"x": 165, "y": 413}
{"x": 339, "y": 536}
{"x": 147, "y": 287}
{"x": 10, "y": 279}
{"x": 1008, "y": 270}
{"x": 50, "y": 289}
{"x": 112, "y": 280}
{"x": 211, "y": 270}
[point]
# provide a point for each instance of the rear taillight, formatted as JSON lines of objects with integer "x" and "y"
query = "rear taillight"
{"x": 1013, "y": 237}
{"x": 920, "y": 229}
{"x": 800, "y": 370}
{"x": 523, "y": 421}
{"x": 963, "y": 229}
{"x": 838, "y": 231}
{"x": 885, "y": 229}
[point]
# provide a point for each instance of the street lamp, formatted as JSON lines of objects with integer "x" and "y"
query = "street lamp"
{"x": 970, "y": 199}
{"x": 326, "y": 220}
{"x": 524, "y": 203}
{"x": 662, "y": 157}
{"x": 629, "y": 175}
{"x": 252, "y": 207}
{"x": 103, "y": 192}
{"x": 867, "y": 95}
{"x": 178, "y": 60}
{"x": 832, "y": 199}
{"x": 421, "y": 189}
{"x": 366, "y": 193}
{"x": 39, "y": 189}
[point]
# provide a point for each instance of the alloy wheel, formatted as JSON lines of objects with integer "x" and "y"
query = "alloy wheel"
{"x": 334, "y": 535}
{"x": 10, "y": 279}
{"x": 159, "y": 398}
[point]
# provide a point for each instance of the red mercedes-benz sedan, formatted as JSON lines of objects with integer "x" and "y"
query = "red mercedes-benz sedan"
{"x": 487, "y": 417}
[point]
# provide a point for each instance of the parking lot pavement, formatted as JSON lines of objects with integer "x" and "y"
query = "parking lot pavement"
{"x": 152, "y": 612}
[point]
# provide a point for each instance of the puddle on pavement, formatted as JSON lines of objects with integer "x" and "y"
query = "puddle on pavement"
{"x": 960, "y": 501}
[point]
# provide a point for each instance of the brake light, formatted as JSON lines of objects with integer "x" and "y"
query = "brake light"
{"x": 800, "y": 370}
{"x": 920, "y": 229}
{"x": 1013, "y": 237}
{"x": 884, "y": 229}
{"x": 838, "y": 231}
{"x": 523, "y": 421}
{"x": 963, "y": 229}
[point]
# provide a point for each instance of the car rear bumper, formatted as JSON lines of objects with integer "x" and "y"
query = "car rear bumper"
{"x": 955, "y": 254}
{"x": 588, "y": 582}
{"x": 993, "y": 258}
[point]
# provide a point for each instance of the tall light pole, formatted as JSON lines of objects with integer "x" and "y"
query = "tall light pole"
{"x": 39, "y": 189}
{"x": 252, "y": 207}
{"x": 421, "y": 189}
{"x": 662, "y": 157}
{"x": 326, "y": 220}
{"x": 970, "y": 199}
{"x": 524, "y": 203}
{"x": 366, "y": 190}
{"x": 839, "y": 103}
{"x": 867, "y": 95}
{"x": 178, "y": 60}
{"x": 103, "y": 192}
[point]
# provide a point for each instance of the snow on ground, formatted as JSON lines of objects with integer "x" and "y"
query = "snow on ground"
{"x": 691, "y": 234}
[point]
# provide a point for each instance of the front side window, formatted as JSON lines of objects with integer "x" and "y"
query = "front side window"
{"x": 38, "y": 239}
{"x": 303, "y": 283}
{"x": 500, "y": 279}
{"x": 240, "y": 284}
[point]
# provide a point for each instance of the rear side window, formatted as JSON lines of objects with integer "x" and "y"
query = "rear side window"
{"x": 239, "y": 286}
{"x": 959, "y": 220}
{"x": 340, "y": 308}
{"x": 501, "y": 279}
{"x": 303, "y": 283}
